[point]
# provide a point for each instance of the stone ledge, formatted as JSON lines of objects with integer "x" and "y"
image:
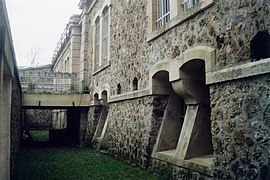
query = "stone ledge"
{"x": 56, "y": 101}
{"x": 101, "y": 68}
{"x": 128, "y": 96}
{"x": 182, "y": 163}
{"x": 238, "y": 72}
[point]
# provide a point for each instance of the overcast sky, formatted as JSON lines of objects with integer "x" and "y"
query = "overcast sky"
{"x": 37, "y": 25}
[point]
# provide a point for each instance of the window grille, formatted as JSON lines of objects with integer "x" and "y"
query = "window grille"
{"x": 187, "y": 4}
{"x": 163, "y": 12}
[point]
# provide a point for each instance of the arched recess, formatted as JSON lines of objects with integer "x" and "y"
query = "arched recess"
{"x": 195, "y": 140}
{"x": 96, "y": 99}
{"x": 157, "y": 76}
{"x": 191, "y": 85}
{"x": 97, "y": 91}
{"x": 173, "y": 118}
{"x": 135, "y": 84}
{"x": 205, "y": 53}
{"x": 187, "y": 114}
{"x": 160, "y": 83}
{"x": 104, "y": 98}
{"x": 99, "y": 136}
{"x": 118, "y": 89}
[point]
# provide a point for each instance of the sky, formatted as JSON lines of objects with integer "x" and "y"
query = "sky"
{"x": 36, "y": 27}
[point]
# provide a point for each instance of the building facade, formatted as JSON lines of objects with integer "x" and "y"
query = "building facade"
{"x": 179, "y": 86}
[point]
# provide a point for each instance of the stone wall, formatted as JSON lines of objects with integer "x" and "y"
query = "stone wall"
{"x": 42, "y": 79}
{"x": 66, "y": 127}
{"x": 227, "y": 27}
{"x": 16, "y": 123}
{"x": 91, "y": 125}
{"x": 38, "y": 119}
{"x": 169, "y": 171}
{"x": 31, "y": 77}
{"x": 129, "y": 48}
{"x": 133, "y": 135}
{"x": 59, "y": 119}
{"x": 241, "y": 128}
{"x": 127, "y": 45}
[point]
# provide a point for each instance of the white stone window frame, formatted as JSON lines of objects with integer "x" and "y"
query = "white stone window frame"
{"x": 103, "y": 58}
{"x": 180, "y": 11}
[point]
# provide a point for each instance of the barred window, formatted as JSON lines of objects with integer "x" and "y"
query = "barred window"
{"x": 163, "y": 12}
{"x": 187, "y": 4}
{"x": 101, "y": 35}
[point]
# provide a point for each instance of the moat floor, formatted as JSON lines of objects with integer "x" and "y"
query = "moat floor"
{"x": 59, "y": 163}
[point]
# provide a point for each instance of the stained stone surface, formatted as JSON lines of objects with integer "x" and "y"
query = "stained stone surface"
{"x": 38, "y": 119}
{"x": 131, "y": 136}
{"x": 169, "y": 171}
{"x": 59, "y": 119}
{"x": 240, "y": 128}
{"x": 228, "y": 27}
{"x": 240, "y": 109}
{"x": 91, "y": 124}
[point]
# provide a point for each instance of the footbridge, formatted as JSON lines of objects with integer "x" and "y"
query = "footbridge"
{"x": 63, "y": 114}
{"x": 54, "y": 101}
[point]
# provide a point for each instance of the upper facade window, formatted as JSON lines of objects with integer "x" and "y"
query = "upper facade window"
{"x": 163, "y": 12}
{"x": 97, "y": 42}
{"x": 188, "y": 4}
{"x": 101, "y": 36}
{"x": 105, "y": 34}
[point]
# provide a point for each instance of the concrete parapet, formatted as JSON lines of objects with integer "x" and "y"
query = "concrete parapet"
{"x": 54, "y": 101}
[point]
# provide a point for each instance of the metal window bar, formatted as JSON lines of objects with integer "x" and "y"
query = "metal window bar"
{"x": 163, "y": 12}
{"x": 187, "y": 4}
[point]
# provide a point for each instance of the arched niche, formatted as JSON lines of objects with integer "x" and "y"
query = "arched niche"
{"x": 160, "y": 83}
{"x": 135, "y": 84}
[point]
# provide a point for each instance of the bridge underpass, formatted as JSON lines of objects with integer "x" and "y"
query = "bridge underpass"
{"x": 74, "y": 105}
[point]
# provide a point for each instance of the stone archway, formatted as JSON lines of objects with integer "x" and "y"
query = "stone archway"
{"x": 188, "y": 108}
{"x": 100, "y": 132}
{"x": 173, "y": 118}
{"x": 195, "y": 140}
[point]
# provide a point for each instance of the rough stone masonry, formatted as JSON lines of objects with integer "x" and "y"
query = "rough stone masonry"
{"x": 222, "y": 46}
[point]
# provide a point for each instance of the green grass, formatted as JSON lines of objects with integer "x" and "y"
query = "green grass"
{"x": 74, "y": 164}
{"x": 40, "y": 135}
